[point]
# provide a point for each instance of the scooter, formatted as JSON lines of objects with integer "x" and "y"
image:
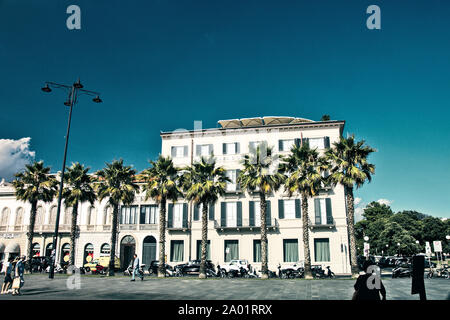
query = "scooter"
{"x": 401, "y": 272}
{"x": 319, "y": 273}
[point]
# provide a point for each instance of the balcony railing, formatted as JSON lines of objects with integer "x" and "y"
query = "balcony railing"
{"x": 244, "y": 224}
{"x": 328, "y": 223}
{"x": 172, "y": 227}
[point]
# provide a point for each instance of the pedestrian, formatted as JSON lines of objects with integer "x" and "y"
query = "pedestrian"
{"x": 8, "y": 276}
{"x": 19, "y": 270}
{"x": 135, "y": 265}
{"x": 362, "y": 289}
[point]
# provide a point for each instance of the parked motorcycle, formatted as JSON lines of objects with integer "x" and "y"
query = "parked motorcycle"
{"x": 401, "y": 271}
{"x": 128, "y": 271}
{"x": 319, "y": 273}
{"x": 439, "y": 273}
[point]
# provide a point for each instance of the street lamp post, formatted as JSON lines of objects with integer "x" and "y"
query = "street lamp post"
{"x": 398, "y": 245}
{"x": 73, "y": 90}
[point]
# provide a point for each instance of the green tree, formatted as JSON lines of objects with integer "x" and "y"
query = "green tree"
{"x": 116, "y": 183}
{"x": 375, "y": 210}
{"x": 78, "y": 188}
{"x": 32, "y": 185}
{"x": 161, "y": 184}
{"x": 203, "y": 183}
{"x": 394, "y": 235}
{"x": 304, "y": 167}
{"x": 260, "y": 175}
{"x": 325, "y": 117}
{"x": 350, "y": 167}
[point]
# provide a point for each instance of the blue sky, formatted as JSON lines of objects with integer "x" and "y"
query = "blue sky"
{"x": 160, "y": 65}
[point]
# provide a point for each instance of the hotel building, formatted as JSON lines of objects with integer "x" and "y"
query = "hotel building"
{"x": 233, "y": 225}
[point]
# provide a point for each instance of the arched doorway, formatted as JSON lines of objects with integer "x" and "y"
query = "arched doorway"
{"x": 127, "y": 250}
{"x": 65, "y": 251}
{"x": 36, "y": 249}
{"x": 105, "y": 250}
{"x": 149, "y": 250}
{"x": 88, "y": 251}
{"x": 48, "y": 250}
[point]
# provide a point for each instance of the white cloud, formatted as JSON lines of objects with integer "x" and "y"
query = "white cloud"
{"x": 357, "y": 201}
{"x": 385, "y": 201}
{"x": 14, "y": 154}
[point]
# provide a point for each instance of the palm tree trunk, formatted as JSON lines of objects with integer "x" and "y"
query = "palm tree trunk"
{"x": 263, "y": 205}
{"x": 30, "y": 233}
{"x": 305, "y": 220}
{"x": 202, "y": 273}
{"x": 114, "y": 229}
{"x": 351, "y": 230}
{"x": 73, "y": 233}
{"x": 162, "y": 239}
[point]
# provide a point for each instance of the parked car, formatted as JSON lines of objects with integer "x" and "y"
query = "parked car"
{"x": 193, "y": 267}
{"x": 233, "y": 266}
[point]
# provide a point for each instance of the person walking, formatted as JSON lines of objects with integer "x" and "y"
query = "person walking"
{"x": 365, "y": 289}
{"x": 8, "y": 276}
{"x": 19, "y": 271}
{"x": 135, "y": 265}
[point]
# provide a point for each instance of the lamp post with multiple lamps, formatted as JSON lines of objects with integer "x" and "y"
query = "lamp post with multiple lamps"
{"x": 73, "y": 92}
{"x": 366, "y": 247}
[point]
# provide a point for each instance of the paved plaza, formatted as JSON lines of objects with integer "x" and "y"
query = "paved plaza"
{"x": 39, "y": 287}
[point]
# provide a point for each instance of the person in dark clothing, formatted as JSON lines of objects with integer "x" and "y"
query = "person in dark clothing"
{"x": 366, "y": 289}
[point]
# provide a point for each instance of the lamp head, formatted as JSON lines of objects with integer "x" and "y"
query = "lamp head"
{"x": 78, "y": 84}
{"x": 46, "y": 88}
{"x": 97, "y": 99}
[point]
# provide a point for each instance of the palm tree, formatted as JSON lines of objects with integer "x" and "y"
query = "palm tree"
{"x": 116, "y": 182}
{"x": 203, "y": 183}
{"x": 260, "y": 175}
{"x": 303, "y": 168}
{"x": 78, "y": 189}
{"x": 349, "y": 167}
{"x": 161, "y": 185}
{"x": 33, "y": 185}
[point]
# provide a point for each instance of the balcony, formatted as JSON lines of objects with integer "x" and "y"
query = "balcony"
{"x": 148, "y": 227}
{"x": 171, "y": 227}
{"x": 128, "y": 227}
{"x": 328, "y": 224}
{"x": 245, "y": 224}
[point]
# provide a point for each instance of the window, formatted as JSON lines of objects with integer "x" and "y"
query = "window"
{"x": 39, "y": 215}
{"x": 19, "y": 216}
{"x": 256, "y": 250}
{"x": 88, "y": 252}
{"x": 286, "y": 145}
{"x": 176, "y": 250}
{"x": 107, "y": 215}
{"x": 253, "y": 145}
{"x": 36, "y": 249}
{"x": 68, "y": 216}
{"x": 232, "y": 175}
{"x": 322, "y": 250}
{"x": 198, "y": 211}
{"x": 52, "y": 218}
{"x": 149, "y": 214}
{"x": 105, "y": 249}
{"x": 128, "y": 214}
{"x": 5, "y": 217}
{"x": 178, "y": 215}
{"x": 231, "y": 214}
{"x": 65, "y": 253}
{"x": 231, "y": 250}
{"x": 290, "y": 250}
{"x": 204, "y": 150}
{"x": 179, "y": 151}
{"x": 199, "y": 249}
{"x": 230, "y": 148}
{"x": 322, "y": 211}
{"x": 257, "y": 213}
{"x": 289, "y": 209}
{"x": 91, "y": 216}
{"x": 319, "y": 143}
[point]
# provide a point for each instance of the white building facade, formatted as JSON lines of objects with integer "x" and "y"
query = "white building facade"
{"x": 233, "y": 227}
